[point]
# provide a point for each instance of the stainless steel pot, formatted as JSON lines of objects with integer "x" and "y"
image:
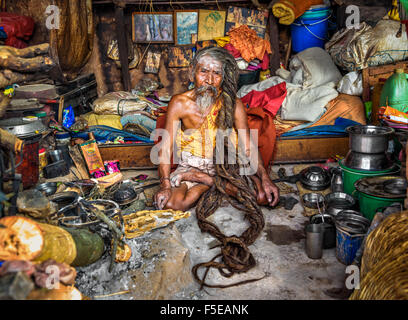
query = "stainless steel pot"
{"x": 368, "y": 161}
{"x": 369, "y": 139}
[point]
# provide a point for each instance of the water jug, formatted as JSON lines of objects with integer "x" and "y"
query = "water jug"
{"x": 395, "y": 91}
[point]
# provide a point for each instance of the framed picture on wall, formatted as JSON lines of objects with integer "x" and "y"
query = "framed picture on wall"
{"x": 211, "y": 24}
{"x": 254, "y": 19}
{"x": 185, "y": 25}
{"x": 180, "y": 57}
{"x": 150, "y": 27}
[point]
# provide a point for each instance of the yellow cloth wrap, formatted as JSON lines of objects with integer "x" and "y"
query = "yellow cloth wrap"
{"x": 222, "y": 41}
{"x": 287, "y": 11}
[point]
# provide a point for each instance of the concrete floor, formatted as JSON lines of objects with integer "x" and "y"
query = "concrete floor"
{"x": 279, "y": 252}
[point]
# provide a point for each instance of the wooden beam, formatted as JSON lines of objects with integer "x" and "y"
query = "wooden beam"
{"x": 122, "y": 44}
{"x": 274, "y": 63}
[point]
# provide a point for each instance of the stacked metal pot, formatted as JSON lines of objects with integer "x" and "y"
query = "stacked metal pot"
{"x": 368, "y": 148}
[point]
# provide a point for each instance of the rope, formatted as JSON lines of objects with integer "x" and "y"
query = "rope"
{"x": 235, "y": 255}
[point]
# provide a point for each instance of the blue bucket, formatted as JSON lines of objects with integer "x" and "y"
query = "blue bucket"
{"x": 347, "y": 246}
{"x": 310, "y": 29}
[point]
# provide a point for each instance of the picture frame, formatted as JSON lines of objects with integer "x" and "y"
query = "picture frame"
{"x": 185, "y": 26}
{"x": 180, "y": 56}
{"x": 148, "y": 27}
{"x": 253, "y": 18}
{"x": 211, "y": 24}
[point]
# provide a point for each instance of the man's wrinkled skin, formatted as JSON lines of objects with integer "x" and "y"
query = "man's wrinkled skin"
{"x": 191, "y": 108}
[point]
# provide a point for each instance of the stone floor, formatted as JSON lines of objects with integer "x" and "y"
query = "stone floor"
{"x": 279, "y": 252}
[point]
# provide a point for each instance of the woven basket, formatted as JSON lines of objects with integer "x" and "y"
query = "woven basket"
{"x": 388, "y": 241}
{"x": 388, "y": 280}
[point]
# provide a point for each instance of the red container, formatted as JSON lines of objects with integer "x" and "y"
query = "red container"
{"x": 29, "y": 167}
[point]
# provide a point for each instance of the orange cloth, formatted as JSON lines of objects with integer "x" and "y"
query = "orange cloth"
{"x": 201, "y": 142}
{"x": 344, "y": 106}
{"x": 262, "y": 121}
{"x": 246, "y": 41}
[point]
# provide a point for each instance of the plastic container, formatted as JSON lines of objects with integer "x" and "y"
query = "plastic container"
{"x": 62, "y": 138}
{"x": 310, "y": 29}
{"x": 350, "y": 176}
{"x": 30, "y": 164}
{"x": 395, "y": 91}
{"x": 370, "y": 205}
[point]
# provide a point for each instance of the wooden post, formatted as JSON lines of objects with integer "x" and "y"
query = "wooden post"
{"x": 122, "y": 43}
{"x": 274, "y": 63}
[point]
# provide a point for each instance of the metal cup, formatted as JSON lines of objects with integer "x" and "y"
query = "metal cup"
{"x": 314, "y": 240}
{"x": 56, "y": 155}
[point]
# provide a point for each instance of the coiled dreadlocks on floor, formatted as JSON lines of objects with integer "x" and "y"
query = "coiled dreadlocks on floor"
{"x": 235, "y": 255}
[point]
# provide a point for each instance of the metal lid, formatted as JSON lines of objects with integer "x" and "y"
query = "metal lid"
{"x": 21, "y": 128}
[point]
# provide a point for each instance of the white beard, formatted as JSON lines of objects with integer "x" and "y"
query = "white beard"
{"x": 205, "y": 99}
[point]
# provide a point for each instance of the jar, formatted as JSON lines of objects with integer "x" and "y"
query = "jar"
{"x": 62, "y": 138}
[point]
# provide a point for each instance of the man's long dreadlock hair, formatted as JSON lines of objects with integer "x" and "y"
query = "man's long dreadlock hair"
{"x": 235, "y": 255}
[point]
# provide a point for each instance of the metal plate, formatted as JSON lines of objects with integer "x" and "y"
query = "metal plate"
{"x": 374, "y": 186}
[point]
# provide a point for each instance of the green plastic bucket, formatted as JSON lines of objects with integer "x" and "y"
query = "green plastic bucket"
{"x": 317, "y": 13}
{"x": 370, "y": 205}
{"x": 350, "y": 176}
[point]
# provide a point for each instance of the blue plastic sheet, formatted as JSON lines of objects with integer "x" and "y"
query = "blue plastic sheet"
{"x": 338, "y": 129}
{"x": 105, "y": 133}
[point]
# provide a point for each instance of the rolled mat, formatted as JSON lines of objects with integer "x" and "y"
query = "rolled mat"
{"x": 288, "y": 11}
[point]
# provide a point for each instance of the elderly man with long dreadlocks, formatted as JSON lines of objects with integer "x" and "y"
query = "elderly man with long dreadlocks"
{"x": 211, "y": 106}
{"x": 205, "y": 176}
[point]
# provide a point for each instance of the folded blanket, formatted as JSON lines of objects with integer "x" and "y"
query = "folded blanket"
{"x": 287, "y": 11}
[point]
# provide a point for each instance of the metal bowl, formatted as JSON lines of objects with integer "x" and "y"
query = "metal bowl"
{"x": 340, "y": 200}
{"x": 124, "y": 195}
{"x": 315, "y": 178}
{"x": 396, "y": 186}
{"x": 369, "y": 139}
{"x": 313, "y": 200}
{"x": 48, "y": 188}
{"x": 368, "y": 161}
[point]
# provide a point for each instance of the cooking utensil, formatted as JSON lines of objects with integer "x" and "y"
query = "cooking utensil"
{"x": 369, "y": 139}
{"x": 313, "y": 200}
{"x": 368, "y": 161}
{"x": 314, "y": 240}
{"x": 315, "y": 178}
{"x": 329, "y": 237}
{"x": 339, "y": 200}
{"x": 48, "y": 188}
{"x": 396, "y": 186}
{"x": 56, "y": 155}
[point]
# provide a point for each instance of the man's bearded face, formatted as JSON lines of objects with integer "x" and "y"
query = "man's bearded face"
{"x": 208, "y": 80}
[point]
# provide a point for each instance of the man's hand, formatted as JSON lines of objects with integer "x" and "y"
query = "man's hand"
{"x": 271, "y": 191}
{"x": 162, "y": 197}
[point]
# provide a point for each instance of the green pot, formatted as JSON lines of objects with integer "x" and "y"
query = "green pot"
{"x": 350, "y": 176}
{"x": 370, "y": 205}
